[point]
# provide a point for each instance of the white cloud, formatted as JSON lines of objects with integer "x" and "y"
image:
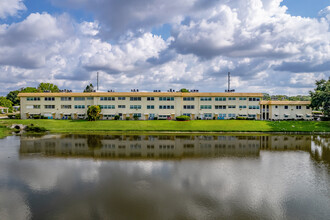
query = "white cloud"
{"x": 10, "y": 7}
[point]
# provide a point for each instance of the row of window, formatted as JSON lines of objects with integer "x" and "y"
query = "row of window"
{"x": 140, "y": 98}
{"x": 152, "y": 106}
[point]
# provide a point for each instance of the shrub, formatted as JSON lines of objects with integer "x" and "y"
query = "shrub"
{"x": 93, "y": 112}
{"x": 183, "y": 118}
{"x": 36, "y": 116}
{"x": 33, "y": 128}
{"x": 18, "y": 116}
{"x": 136, "y": 117}
{"x": 241, "y": 118}
{"x": 128, "y": 118}
{"x": 155, "y": 118}
{"x": 117, "y": 117}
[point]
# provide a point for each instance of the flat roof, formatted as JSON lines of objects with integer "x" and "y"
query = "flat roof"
{"x": 285, "y": 102}
{"x": 141, "y": 94}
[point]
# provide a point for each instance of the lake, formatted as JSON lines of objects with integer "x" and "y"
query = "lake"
{"x": 177, "y": 176}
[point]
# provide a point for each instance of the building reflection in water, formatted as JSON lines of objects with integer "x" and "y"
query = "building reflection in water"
{"x": 164, "y": 146}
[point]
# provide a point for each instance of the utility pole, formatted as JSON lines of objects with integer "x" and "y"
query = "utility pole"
{"x": 229, "y": 90}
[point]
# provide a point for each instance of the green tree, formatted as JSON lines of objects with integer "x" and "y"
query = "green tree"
{"x": 29, "y": 90}
{"x": 320, "y": 98}
{"x": 184, "y": 90}
{"x": 89, "y": 88}
{"x": 12, "y": 96}
{"x": 93, "y": 112}
{"x": 266, "y": 96}
{"x": 48, "y": 86}
{"x": 6, "y": 103}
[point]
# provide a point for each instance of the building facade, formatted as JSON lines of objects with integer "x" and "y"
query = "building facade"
{"x": 285, "y": 110}
{"x": 146, "y": 105}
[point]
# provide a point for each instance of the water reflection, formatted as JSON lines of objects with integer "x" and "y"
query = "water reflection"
{"x": 159, "y": 146}
{"x": 165, "y": 177}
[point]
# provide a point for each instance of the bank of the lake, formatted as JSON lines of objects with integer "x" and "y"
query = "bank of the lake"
{"x": 74, "y": 126}
{"x": 4, "y": 131}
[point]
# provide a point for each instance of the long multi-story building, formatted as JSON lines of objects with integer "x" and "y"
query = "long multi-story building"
{"x": 151, "y": 105}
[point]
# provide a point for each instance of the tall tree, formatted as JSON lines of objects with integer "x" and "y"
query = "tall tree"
{"x": 29, "y": 90}
{"x": 12, "y": 96}
{"x": 6, "y": 103}
{"x": 89, "y": 88}
{"x": 48, "y": 86}
{"x": 321, "y": 96}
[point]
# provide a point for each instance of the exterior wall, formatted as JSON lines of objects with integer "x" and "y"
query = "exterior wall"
{"x": 229, "y": 105}
{"x": 285, "y": 110}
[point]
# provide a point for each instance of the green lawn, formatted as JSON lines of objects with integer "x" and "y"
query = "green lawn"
{"x": 159, "y": 125}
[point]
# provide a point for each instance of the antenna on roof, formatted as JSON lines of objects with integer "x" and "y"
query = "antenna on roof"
{"x": 229, "y": 90}
{"x": 97, "y": 84}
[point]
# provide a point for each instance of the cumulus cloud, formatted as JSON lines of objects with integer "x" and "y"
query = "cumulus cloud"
{"x": 256, "y": 40}
{"x": 10, "y": 7}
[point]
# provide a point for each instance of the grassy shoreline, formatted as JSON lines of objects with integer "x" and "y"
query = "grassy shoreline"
{"x": 74, "y": 126}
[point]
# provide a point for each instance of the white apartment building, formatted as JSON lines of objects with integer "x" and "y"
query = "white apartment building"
{"x": 146, "y": 105}
{"x": 285, "y": 110}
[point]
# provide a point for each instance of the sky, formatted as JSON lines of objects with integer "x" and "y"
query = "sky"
{"x": 269, "y": 46}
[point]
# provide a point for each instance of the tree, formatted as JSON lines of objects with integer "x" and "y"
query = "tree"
{"x": 184, "y": 90}
{"x": 6, "y": 103}
{"x": 12, "y": 96}
{"x": 89, "y": 88}
{"x": 266, "y": 96}
{"x": 48, "y": 86}
{"x": 29, "y": 90}
{"x": 320, "y": 98}
{"x": 93, "y": 112}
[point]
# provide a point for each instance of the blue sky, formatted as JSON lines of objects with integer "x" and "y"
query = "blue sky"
{"x": 273, "y": 46}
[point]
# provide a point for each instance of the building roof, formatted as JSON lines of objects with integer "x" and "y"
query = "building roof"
{"x": 141, "y": 94}
{"x": 285, "y": 102}
{"x": 3, "y": 107}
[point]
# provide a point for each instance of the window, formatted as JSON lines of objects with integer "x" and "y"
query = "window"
{"x": 150, "y": 107}
{"x": 232, "y": 98}
{"x": 121, "y": 106}
{"x": 231, "y": 115}
{"x": 206, "y": 99}
{"x": 107, "y": 99}
{"x": 307, "y": 107}
{"x": 276, "y": 106}
{"x": 135, "y": 106}
{"x": 150, "y": 98}
{"x": 220, "y": 98}
{"x": 66, "y": 98}
{"x": 33, "y": 99}
{"x": 188, "y": 98}
{"x": 137, "y": 115}
{"x": 222, "y": 115}
{"x": 66, "y": 106}
{"x": 286, "y": 107}
{"x": 254, "y": 107}
{"x": 188, "y": 107}
{"x": 79, "y": 98}
{"x": 36, "y": 106}
{"x": 135, "y": 98}
{"x": 121, "y": 98}
{"x": 242, "y": 106}
{"x": 220, "y": 107}
{"x": 90, "y": 98}
{"x": 206, "y": 106}
{"x": 254, "y": 99}
{"x": 231, "y": 106}
{"x": 166, "y": 107}
{"x": 252, "y": 116}
{"x": 49, "y": 106}
{"x": 207, "y": 115}
{"x": 298, "y": 107}
{"x": 186, "y": 114}
{"x": 107, "y": 106}
{"x": 79, "y": 106}
{"x": 166, "y": 98}
{"x": 49, "y": 98}
{"x": 242, "y": 98}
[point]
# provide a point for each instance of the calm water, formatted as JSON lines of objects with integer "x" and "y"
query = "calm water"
{"x": 165, "y": 177}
